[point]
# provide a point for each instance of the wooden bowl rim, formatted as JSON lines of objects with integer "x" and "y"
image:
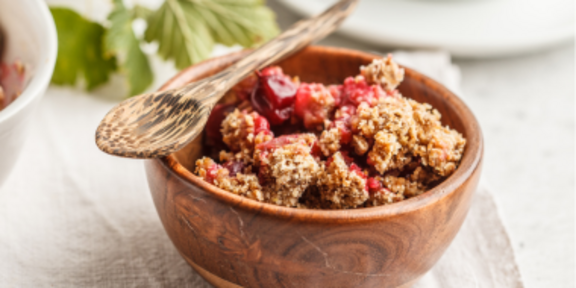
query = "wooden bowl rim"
{"x": 469, "y": 163}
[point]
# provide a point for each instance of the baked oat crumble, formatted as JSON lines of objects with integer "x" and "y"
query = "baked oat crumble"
{"x": 307, "y": 145}
{"x": 342, "y": 183}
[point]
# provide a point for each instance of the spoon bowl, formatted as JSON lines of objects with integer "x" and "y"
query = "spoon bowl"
{"x": 157, "y": 124}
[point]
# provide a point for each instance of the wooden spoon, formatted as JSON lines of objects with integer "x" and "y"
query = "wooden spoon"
{"x": 158, "y": 124}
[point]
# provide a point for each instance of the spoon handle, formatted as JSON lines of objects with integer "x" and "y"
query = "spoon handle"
{"x": 157, "y": 124}
{"x": 290, "y": 41}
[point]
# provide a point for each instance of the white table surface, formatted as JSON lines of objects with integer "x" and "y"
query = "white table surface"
{"x": 525, "y": 106}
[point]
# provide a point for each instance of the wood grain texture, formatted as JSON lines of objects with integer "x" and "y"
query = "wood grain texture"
{"x": 157, "y": 124}
{"x": 235, "y": 240}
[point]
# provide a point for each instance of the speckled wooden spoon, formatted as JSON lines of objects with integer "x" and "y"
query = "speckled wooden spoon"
{"x": 157, "y": 124}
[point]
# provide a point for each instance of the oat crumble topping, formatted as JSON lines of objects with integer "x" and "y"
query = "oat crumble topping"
{"x": 341, "y": 186}
{"x": 288, "y": 169}
{"x": 306, "y": 145}
{"x": 246, "y": 185}
{"x": 330, "y": 141}
{"x": 384, "y": 72}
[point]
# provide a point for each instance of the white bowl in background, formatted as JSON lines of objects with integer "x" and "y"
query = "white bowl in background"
{"x": 30, "y": 37}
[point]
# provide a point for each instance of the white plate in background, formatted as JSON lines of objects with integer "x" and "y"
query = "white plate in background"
{"x": 466, "y": 28}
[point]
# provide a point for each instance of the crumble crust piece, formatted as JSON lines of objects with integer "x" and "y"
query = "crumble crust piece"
{"x": 239, "y": 133}
{"x": 383, "y": 197}
{"x": 246, "y": 185}
{"x": 288, "y": 170}
{"x": 383, "y": 71}
{"x": 341, "y": 187}
{"x": 330, "y": 141}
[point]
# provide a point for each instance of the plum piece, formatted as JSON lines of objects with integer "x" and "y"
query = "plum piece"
{"x": 234, "y": 167}
{"x": 356, "y": 90}
{"x": 313, "y": 105}
{"x": 374, "y": 185}
{"x": 336, "y": 92}
{"x": 274, "y": 96}
{"x": 261, "y": 125}
{"x": 246, "y": 87}
{"x": 213, "y": 132}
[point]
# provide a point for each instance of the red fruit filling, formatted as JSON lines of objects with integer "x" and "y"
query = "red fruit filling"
{"x": 274, "y": 95}
{"x": 343, "y": 123}
{"x": 345, "y": 130}
{"x": 316, "y": 151}
{"x": 336, "y": 92}
{"x": 261, "y": 125}
{"x": 213, "y": 132}
{"x": 234, "y": 167}
{"x": 355, "y": 168}
{"x": 245, "y": 88}
{"x": 277, "y": 143}
{"x": 313, "y": 104}
{"x": 212, "y": 173}
{"x": 357, "y": 90}
{"x": 374, "y": 185}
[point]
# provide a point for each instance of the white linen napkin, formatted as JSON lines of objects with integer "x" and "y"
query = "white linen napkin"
{"x": 71, "y": 216}
{"x": 481, "y": 254}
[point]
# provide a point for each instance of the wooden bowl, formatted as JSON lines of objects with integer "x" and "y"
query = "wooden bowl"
{"x": 237, "y": 242}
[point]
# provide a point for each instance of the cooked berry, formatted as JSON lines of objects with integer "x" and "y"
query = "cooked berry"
{"x": 213, "y": 132}
{"x": 245, "y": 88}
{"x": 374, "y": 185}
{"x": 261, "y": 125}
{"x": 277, "y": 143}
{"x": 313, "y": 105}
{"x": 356, "y": 90}
{"x": 336, "y": 92}
{"x": 234, "y": 167}
{"x": 274, "y": 96}
{"x": 212, "y": 173}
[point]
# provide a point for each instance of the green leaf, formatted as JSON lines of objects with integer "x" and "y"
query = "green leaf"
{"x": 181, "y": 33}
{"x": 80, "y": 50}
{"x": 249, "y": 22}
{"x": 186, "y": 30}
{"x": 122, "y": 41}
{"x": 142, "y": 12}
